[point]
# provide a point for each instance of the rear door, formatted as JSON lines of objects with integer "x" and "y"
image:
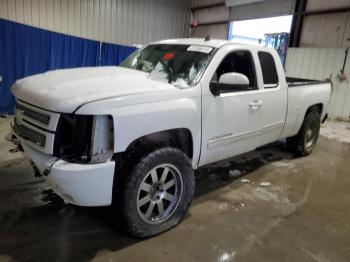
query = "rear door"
{"x": 273, "y": 96}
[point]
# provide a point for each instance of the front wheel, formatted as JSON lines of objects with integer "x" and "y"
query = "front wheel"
{"x": 157, "y": 193}
{"x": 305, "y": 141}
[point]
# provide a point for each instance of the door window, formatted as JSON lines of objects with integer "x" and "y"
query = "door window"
{"x": 268, "y": 69}
{"x": 238, "y": 62}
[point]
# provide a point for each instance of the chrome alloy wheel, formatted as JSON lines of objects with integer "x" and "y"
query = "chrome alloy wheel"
{"x": 310, "y": 136}
{"x": 159, "y": 193}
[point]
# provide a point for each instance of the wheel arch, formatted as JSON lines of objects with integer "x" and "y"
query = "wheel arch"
{"x": 180, "y": 138}
{"x": 315, "y": 108}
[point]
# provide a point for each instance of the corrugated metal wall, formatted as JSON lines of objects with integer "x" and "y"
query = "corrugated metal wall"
{"x": 213, "y": 16}
{"x": 262, "y": 9}
{"x": 326, "y": 30}
{"x": 116, "y": 21}
{"x": 211, "y": 20}
{"x": 323, "y": 63}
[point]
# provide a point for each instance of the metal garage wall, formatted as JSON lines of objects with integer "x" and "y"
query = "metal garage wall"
{"x": 115, "y": 21}
{"x": 324, "y": 24}
{"x": 262, "y": 9}
{"x": 212, "y": 19}
{"x": 323, "y": 63}
{"x": 207, "y": 19}
{"x": 213, "y": 16}
{"x": 327, "y": 30}
{"x": 214, "y": 31}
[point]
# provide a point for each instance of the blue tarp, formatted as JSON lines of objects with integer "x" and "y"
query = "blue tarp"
{"x": 114, "y": 54}
{"x": 25, "y": 50}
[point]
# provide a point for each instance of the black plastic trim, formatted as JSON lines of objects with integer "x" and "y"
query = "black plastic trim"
{"x": 217, "y": 88}
{"x": 294, "y": 82}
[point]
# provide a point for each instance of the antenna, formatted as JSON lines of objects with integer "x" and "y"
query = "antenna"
{"x": 207, "y": 38}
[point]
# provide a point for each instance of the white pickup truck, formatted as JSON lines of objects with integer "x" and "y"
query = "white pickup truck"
{"x": 133, "y": 134}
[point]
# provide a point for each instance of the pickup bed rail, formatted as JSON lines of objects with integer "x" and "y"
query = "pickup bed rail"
{"x": 293, "y": 81}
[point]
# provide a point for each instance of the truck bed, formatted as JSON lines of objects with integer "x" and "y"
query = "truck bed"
{"x": 292, "y": 82}
{"x": 303, "y": 93}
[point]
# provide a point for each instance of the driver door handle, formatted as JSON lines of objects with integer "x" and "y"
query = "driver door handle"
{"x": 255, "y": 104}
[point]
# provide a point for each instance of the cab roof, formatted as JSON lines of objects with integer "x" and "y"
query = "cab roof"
{"x": 216, "y": 43}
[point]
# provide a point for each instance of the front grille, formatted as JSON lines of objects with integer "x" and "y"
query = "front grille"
{"x": 38, "y": 116}
{"x": 30, "y": 134}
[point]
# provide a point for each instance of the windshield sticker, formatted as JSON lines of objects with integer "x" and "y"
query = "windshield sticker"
{"x": 168, "y": 56}
{"x": 201, "y": 49}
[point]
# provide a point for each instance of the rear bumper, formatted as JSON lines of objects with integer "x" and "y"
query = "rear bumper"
{"x": 78, "y": 184}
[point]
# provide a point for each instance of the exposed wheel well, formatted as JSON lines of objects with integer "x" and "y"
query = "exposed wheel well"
{"x": 180, "y": 138}
{"x": 314, "y": 108}
{"x": 318, "y": 108}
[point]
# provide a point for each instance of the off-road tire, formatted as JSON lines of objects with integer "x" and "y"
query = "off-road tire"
{"x": 299, "y": 144}
{"x": 132, "y": 221}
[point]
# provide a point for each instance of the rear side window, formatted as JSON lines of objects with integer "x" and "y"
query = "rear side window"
{"x": 268, "y": 68}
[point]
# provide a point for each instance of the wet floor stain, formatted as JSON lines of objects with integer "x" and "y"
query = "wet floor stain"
{"x": 9, "y": 164}
{"x": 266, "y": 205}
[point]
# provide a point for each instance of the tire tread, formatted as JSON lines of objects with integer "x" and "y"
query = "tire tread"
{"x": 129, "y": 225}
{"x": 296, "y": 143}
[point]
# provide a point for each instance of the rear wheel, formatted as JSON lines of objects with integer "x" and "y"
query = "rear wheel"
{"x": 305, "y": 141}
{"x": 157, "y": 193}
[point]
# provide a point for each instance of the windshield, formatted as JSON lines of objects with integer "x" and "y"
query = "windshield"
{"x": 180, "y": 65}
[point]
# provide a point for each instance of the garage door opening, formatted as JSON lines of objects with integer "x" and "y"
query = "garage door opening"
{"x": 271, "y": 32}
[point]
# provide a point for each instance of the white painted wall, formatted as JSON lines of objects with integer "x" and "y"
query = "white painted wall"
{"x": 115, "y": 21}
{"x": 323, "y": 63}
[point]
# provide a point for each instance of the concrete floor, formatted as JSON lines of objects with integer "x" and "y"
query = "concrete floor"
{"x": 263, "y": 206}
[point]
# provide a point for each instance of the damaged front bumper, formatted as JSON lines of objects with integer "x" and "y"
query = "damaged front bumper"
{"x": 78, "y": 184}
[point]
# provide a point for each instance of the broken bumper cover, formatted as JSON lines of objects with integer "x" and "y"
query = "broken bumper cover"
{"x": 78, "y": 184}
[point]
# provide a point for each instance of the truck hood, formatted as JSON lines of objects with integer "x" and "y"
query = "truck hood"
{"x": 65, "y": 90}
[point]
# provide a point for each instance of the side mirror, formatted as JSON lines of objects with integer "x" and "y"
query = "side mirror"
{"x": 229, "y": 82}
{"x": 234, "y": 79}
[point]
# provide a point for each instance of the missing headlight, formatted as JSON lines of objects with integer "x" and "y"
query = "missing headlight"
{"x": 73, "y": 138}
{"x": 102, "y": 143}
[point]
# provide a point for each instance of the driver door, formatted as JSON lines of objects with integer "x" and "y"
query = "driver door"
{"x": 232, "y": 121}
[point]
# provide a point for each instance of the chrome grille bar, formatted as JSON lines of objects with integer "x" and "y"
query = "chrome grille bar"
{"x": 30, "y": 134}
{"x": 38, "y": 116}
